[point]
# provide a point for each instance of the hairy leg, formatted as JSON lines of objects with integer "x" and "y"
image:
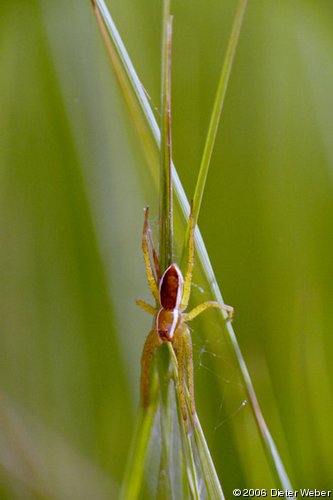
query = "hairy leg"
{"x": 152, "y": 281}
{"x": 178, "y": 345}
{"x": 152, "y": 342}
{"x": 208, "y": 305}
{"x": 190, "y": 264}
{"x": 189, "y": 367}
{"x": 155, "y": 256}
{"x": 183, "y": 348}
{"x": 146, "y": 307}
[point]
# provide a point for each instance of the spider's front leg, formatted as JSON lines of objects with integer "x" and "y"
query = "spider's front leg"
{"x": 190, "y": 264}
{"x": 182, "y": 344}
{"x": 188, "y": 282}
{"x": 150, "y": 267}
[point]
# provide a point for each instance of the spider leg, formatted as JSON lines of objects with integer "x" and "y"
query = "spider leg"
{"x": 155, "y": 257}
{"x": 152, "y": 342}
{"x": 189, "y": 367}
{"x": 183, "y": 348}
{"x": 208, "y": 305}
{"x": 146, "y": 307}
{"x": 149, "y": 268}
{"x": 190, "y": 264}
{"x": 178, "y": 345}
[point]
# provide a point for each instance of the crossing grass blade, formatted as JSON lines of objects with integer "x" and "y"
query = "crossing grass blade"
{"x": 217, "y": 110}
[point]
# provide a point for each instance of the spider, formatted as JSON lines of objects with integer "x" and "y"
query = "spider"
{"x": 171, "y": 293}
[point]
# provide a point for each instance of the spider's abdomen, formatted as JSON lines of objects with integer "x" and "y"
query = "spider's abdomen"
{"x": 171, "y": 288}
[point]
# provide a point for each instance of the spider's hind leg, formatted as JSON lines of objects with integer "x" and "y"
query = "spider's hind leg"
{"x": 208, "y": 305}
{"x": 152, "y": 342}
{"x": 183, "y": 348}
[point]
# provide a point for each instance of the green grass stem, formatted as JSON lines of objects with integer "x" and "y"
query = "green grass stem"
{"x": 133, "y": 479}
{"x": 217, "y": 110}
{"x": 166, "y": 209}
{"x": 213, "y": 486}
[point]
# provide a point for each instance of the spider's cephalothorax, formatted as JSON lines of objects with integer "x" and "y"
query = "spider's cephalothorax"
{"x": 171, "y": 292}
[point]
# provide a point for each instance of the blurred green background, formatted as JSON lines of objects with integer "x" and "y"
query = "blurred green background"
{"x": 73, "y": 183}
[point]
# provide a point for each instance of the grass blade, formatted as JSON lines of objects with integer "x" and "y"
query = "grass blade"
{"x": 165, "y": 215}
{"x": 213, "y": 486}
{"x": 133, "y": 479}
{"x": 130, "y": 85}
{"x": 217, "y": 110}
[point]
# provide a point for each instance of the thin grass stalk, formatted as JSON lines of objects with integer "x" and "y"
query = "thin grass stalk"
{"x": 209, "y": 472}
{"x": 164, "y": 482}
{"x": 165, "y": 241}
{"x": 120, "y": 53}
{"x": 130, "y": 85}
{"x": 191, "y": 472}
{"x": 210, "y": 477}
{"x": 166, "y": 210}
{"x": 217, "y": 111}
{"x": 133, "y": 479}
